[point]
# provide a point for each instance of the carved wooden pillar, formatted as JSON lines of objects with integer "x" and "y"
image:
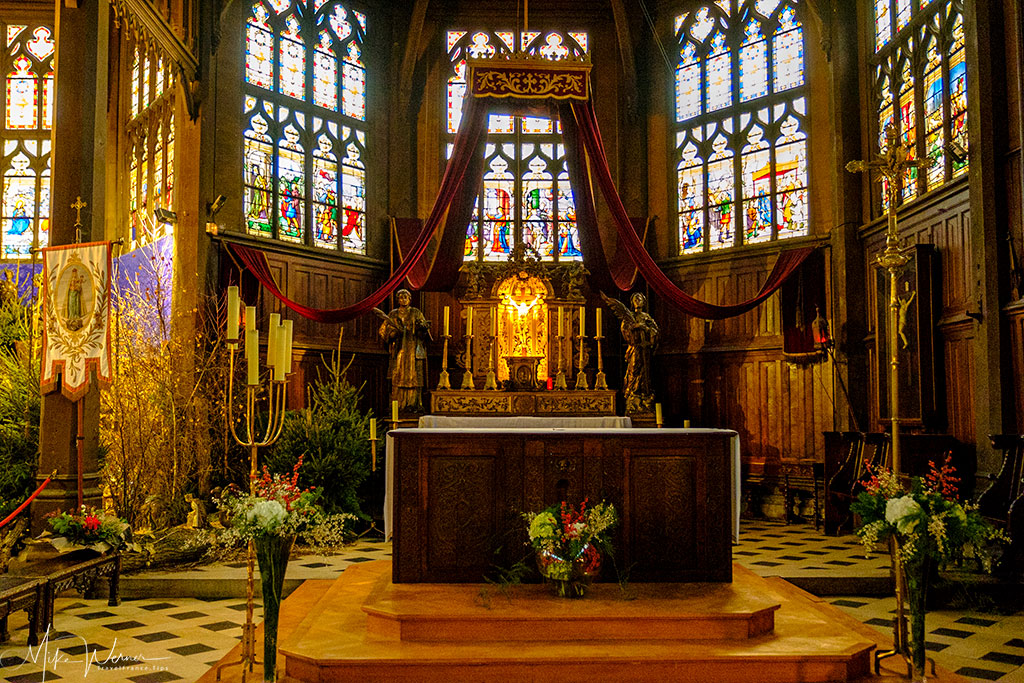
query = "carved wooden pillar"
{"x": 79, "y": 144}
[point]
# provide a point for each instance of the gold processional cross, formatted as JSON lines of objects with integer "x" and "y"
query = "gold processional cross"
{"x": 891, "y": 163}
{"x": 78, "y": 205}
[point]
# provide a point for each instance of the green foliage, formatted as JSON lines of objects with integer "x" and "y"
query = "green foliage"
{"x": 333, "y": 436}
{"x": 19, "y": 403}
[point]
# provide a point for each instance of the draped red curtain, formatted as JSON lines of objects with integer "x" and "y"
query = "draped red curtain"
{"x": 438, "y": 269}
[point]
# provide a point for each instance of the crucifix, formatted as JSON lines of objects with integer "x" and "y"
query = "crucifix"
{"x": 78, "y": 205}
{"x": 892, "y": 162}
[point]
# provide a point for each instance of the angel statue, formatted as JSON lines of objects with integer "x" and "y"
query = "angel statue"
{"x": 640, "y": 332}
{"x": 407, "y": 332}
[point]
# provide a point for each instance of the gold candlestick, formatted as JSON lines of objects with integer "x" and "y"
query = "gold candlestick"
{"x": 600, "y": 383}
{"x": 275, "y": 421}
{"x": 560, "y": 377}
{"x": 467, "y": 376}
{"x": 443, "y": 382}
{"x": 491, "y": 380}
{"x": 581, "y": 377}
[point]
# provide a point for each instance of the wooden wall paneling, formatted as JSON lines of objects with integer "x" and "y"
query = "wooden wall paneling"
{"x": 959, "y": 375}
{"x": 1015, "y": 320}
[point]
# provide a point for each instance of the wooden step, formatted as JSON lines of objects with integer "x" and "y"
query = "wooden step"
{"x": 334, "y": 643}
{"x": 667, "y": 611}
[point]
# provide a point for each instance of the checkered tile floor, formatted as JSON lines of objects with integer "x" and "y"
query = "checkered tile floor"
{"x": 178, "y": 639}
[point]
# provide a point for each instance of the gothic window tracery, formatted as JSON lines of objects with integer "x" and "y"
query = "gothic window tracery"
{"x": 304, "y": 104}
{"x": 920, "y": 87}
{"x": 740, "y": 124}
{"x": 25, "y": 138}
{"x": 526, "y": 193}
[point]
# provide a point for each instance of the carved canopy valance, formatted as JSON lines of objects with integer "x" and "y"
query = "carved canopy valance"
{"x": 530, "y": 79}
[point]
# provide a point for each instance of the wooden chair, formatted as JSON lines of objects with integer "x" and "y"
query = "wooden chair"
{"x": 842, "y": 463}
{"x": 995, "y": 501}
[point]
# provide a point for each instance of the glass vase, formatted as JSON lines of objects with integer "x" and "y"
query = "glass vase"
{"x": 272, "y": 557}
{"x": 915, "y": 571}
{"x": 570, "y": 578}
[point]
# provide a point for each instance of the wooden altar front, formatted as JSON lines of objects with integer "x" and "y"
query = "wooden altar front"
{"x": 540, "y": 403}
{"x": 459, "y": 496}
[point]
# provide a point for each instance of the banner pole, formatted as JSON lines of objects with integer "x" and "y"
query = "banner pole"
{"x": 80, "y": 439}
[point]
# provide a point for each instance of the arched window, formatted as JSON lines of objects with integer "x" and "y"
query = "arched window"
{"x": 920, "y": 87}
{"x": 304, "y": 145}
{"x": 149, "y": 144}
{"x": 740, "y": 124}
{"x": 25, "y": 139}
{"x": 526, "y": 194}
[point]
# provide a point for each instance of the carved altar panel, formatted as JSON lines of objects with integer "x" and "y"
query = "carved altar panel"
{"x": 543, "y": 403}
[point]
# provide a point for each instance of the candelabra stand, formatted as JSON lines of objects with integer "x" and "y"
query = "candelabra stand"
{"x": 443, "y": 382}
{"x": 491, "y": 381}
{"x": 467, "y": 377}
{"x": 560, "y": 377}
{"x": 600, "y": 383}
{"x": 373, "y": 453}
{"x": 275, "y": 421}
{"x": 581, "y": 377}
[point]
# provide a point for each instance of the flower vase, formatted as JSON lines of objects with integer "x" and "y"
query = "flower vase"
{"x": 915, "y": 572}
{"x": 570, "y": 578}
{"x": 272, "y": 556}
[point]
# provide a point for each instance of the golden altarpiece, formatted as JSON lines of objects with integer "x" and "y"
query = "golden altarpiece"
{"x": 526, "y": 350}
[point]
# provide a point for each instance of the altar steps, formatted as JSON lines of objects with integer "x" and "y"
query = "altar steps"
{"x": 366, "y": 629}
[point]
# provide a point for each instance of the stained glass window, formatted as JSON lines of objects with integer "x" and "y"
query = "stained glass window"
{"x": 149, "y": 141}
{"x": 741, "y": 143}
{"x": 25, "y": 139}
{"x": 920, "y": 88}
{"x": 304, "y": 140}
{"x": 526, "y": 196}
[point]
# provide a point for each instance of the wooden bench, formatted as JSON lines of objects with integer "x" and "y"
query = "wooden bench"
{"x": 62, "y": 573}
{"x": 21, "y": 593}
{"x": 1002, "y": 503}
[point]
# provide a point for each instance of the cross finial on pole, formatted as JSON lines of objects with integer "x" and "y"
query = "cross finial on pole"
{"x": 78, "y": 205}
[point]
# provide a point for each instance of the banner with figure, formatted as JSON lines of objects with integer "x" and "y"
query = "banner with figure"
{"x": 76, "y": 317}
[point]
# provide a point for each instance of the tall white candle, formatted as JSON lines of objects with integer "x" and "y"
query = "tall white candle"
{"x": 279, "y": 353}
{"x": 273, "y": 347}
{"x": 597, "y": 312}
{"x": 250, "y": 318}
{"x": 447, "y": 311}
{"x": 394, "y": 411}
{"x": 233, "y": 310}
{"x": 252, "y": 355}
{"x": 657, "y": 414}
{"x": 494, "y": 321}
{"x": 288, "y": 330}
{"x": 469, "y": 321}
{"x": 560, "y": 321}
{"x": 583, "y": 321}
{"x": 373, "y": 429}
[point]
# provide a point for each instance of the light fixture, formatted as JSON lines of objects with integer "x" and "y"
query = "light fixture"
{"x": 216, "y": 205}
{"x": 165, "y": 216}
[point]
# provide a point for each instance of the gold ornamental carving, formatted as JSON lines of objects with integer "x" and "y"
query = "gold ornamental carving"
{"x": 470, "y": 403}
{"x": 530, "y": 79}
{"x": 588, "y": 403}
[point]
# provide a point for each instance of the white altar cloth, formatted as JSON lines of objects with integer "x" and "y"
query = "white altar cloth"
{"x": 734, "y": 470}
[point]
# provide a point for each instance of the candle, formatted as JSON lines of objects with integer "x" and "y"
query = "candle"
{"x": 469, "y": 321}
{"x": 280, "y": 365}
{"x": 686, "y": 424}
{"x": 597, "y": 312}
{"x": 446, "y": 312}
{"x": 494, "y": 321}
{"x": 373, "y": 429}
{"x": 394, "y": 411}
{"x": 559, "y": 321}
{"x": 233, "y": 310}
{"x": 287, "y": 357}
{"x": 252, "y": 355}
{"x": 250, "y": 318}
{"x": 272, "y": 344}
{"x": 583, "y": 321}
{"x": 657, "y": 414}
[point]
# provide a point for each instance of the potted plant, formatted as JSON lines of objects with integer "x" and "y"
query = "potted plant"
{"x": 88, "y": 528}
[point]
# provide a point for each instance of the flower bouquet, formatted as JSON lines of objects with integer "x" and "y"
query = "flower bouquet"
{"x": 923, "y": 524}
{"x": 270, "y": 518}
{"x": 569, "y": 544}
{"x": 88, "y": 528}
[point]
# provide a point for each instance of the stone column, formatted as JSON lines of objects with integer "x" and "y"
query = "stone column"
{"x": 78, "y": 146}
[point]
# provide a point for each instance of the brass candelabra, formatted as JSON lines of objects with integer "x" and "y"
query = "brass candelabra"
{"x": 560, "y": 376}
{"x": 600, "y": 382}
{"x": 491, "y": 380}
{"x": 443, "y": 381}
{"x": 467, "y": 376}
{"x": 275, "y": 421}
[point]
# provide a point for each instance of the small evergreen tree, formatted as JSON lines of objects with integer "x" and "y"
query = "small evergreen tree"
{"x": 19, "y": 401}
{"x": 333, "y": 435}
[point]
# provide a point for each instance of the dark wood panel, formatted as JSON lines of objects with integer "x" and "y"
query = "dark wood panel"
{"x": 1015, "y": 320}
{"x": 459, "y": 498}
{"x": 958, "y": 350}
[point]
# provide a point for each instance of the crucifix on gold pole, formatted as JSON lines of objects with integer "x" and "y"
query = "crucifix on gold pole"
{"x": 78, "y": 206}
{"x": 891, "y": 163}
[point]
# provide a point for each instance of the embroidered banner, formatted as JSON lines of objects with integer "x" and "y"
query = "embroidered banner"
{"x": 562, "y": 80}
{"x": 76, "y": 317}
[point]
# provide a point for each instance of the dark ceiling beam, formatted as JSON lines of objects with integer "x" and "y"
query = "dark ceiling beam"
{"x": 626, "y": 53}
{"x": 412, "y": 51}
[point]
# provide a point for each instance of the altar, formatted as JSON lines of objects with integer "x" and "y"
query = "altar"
{"x": 459, "y": 495}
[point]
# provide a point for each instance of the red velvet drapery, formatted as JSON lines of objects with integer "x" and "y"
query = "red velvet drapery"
{"x": 454, "y": 205}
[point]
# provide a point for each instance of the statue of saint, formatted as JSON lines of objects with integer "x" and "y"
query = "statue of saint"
{"x": 640, "y": 332}
{"x": 73, "y": 312}
{"x": 406, "y": 331}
